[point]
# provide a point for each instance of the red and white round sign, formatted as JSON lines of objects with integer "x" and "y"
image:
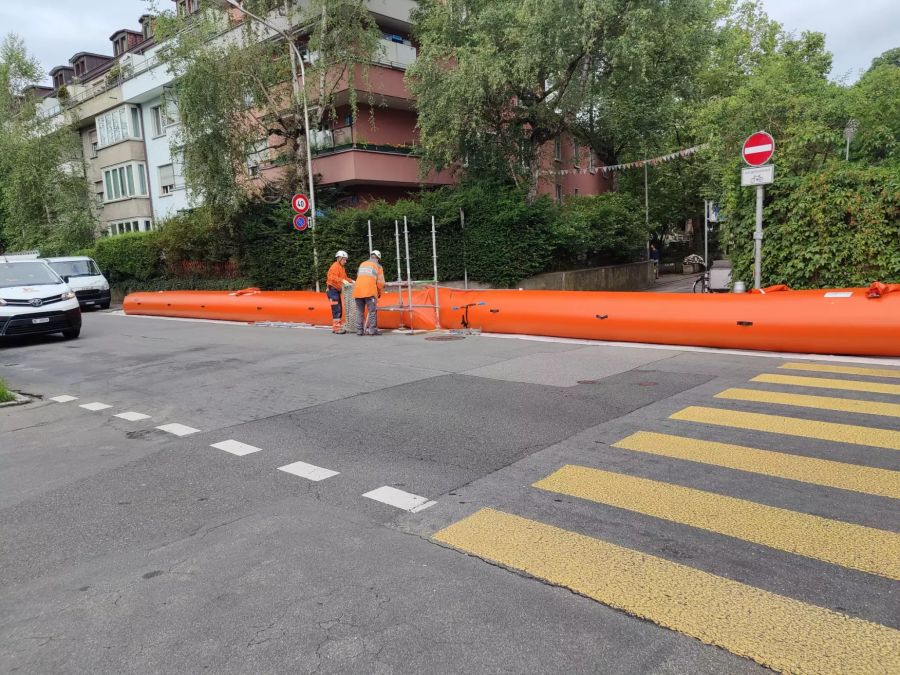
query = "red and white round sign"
{"x": 300, "y": 203}
{"x": 758, "y": 149}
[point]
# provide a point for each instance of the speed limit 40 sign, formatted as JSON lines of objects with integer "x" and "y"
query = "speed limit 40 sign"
{"x": 300, "y": 203}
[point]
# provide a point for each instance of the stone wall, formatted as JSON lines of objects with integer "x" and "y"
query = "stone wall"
{"x": 631, "y": 277}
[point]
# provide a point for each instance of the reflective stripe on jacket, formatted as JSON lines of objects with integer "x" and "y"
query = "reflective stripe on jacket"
{"x": 369, "y": 280}
{"x": 336, "y": 276}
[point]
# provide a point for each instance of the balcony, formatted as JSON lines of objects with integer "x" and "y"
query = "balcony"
{"x": 369, "y": 165}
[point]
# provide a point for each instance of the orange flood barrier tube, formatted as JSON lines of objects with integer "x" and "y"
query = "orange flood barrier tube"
{"x": 842, "y": 321}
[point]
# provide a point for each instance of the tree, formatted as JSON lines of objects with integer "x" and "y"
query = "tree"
{"x": 875, "y": 105}
{"x": 45, "y": 199}
{"x": 496, "y": 80}
{"x": 233, "y": 90}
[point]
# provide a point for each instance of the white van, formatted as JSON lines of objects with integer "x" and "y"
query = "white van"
{"x": 84, "y": 277}
{"x": 34, "y": 299}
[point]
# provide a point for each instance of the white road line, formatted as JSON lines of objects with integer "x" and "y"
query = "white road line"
{"x": 95, "y": 406}
{"x": 235, "y": 447}
{"x": 133, "y": 416}
{"x": 65, "y": 398}
{"x": 178, "y": 429}
{"x": 399, "y": 499}
{"x": 308, "y": 471}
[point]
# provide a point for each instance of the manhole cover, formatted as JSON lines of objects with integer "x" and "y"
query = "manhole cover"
{"x": 588, "y": 381}
{"x": 445, "y": 338}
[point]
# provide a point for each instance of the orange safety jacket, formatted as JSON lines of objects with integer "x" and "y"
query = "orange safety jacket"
{"x": 336, "y": 276}
{"x": 369, "y": 280}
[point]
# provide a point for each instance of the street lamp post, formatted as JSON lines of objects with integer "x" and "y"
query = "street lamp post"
{"x": 301, "y": 98}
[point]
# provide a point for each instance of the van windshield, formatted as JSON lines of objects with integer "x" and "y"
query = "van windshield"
{"x": 75, "y": 268}
{"x": 26, "y": 274}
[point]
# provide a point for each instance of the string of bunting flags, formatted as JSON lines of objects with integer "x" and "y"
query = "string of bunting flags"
{"x": 638, "y": 164}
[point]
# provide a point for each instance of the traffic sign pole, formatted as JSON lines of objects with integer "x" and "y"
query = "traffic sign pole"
{"x": 758, "y": 238}
{"x": 757, "y": 151}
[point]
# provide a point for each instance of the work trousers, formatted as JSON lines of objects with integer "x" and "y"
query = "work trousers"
{"x": 334, "y": 296}
{"x": 368, "y": 308}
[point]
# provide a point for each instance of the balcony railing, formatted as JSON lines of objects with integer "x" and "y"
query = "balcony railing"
{"x": 329, "y": 141}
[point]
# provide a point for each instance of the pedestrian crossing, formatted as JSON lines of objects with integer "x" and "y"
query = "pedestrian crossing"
{"x": 787, "y": 634}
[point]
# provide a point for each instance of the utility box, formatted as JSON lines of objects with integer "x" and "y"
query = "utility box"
{"x": 720, "y": 276}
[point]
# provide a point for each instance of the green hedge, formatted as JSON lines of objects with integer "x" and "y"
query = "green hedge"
{"x": 127, "y": 257}
{"x": 834, "y": 228}
{"x": 505, "y": 239}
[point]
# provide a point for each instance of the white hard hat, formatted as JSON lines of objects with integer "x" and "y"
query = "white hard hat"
{"x": 376, "y": 253}
{"x": 341, "y": 254}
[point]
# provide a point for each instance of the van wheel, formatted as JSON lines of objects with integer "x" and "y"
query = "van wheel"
{"x": 71, "y": 333}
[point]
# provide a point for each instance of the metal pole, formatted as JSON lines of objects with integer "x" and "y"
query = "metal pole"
{"x": 647, "y": 209}
{"x": 706, "y": 206}
{"x": 399, "y": 274}
{"x": 462, "y": 222}
{"x": 758, "y": 238}
{"x": 847, "y": 152}
{"x": 437, "y": 304}
{"x": 408, "y": 273}
{"x": 296, "y": 55}
{"x": 370, "y": 238}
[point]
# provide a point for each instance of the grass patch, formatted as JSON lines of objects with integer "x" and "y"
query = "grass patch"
{"x": 5, "y": 394}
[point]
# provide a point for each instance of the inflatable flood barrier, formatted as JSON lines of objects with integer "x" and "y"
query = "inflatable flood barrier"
{"x": 852, "y": 321}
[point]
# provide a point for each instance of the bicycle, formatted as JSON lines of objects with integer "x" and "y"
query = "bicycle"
{"x": 702, "y": 283}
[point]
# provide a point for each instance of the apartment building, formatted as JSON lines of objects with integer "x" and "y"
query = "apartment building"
{"x": 127, "y": 130}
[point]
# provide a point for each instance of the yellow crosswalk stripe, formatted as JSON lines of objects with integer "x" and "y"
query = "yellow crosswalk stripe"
{"x": 792, "y": 426}
{"x": 778, "y": 632}
{"x": 880, "y": 482}
{"x": 853, "y": 405}
{"x": 855, "y": 546}
{"x": 844, "y": 370}
{"x": 829, "y": 383}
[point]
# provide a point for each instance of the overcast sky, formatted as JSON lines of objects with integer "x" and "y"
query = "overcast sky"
{"x": 54, "y": 30}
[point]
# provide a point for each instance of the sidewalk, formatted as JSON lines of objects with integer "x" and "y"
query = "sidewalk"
{"x": 673, "y": 283}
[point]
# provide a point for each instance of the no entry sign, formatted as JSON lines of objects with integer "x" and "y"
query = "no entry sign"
{"x": 758, "y": 149}
{"x": 300, "y": 203}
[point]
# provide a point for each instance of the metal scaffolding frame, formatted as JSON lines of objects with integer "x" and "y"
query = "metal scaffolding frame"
{"x": 407, "y": 285}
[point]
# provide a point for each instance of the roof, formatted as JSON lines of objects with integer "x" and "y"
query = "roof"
{"x": 58, "y": 68}
{"x": 70, "y": 258}
{"x": 80, "y": 54}
{"x": 126, "y": 30}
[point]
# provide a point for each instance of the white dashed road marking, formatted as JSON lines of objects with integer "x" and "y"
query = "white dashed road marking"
{"x": 95, "y": 406}
{"x": 65, "y": 398}
{"x": 399, "y": 499}
{"x": 235, "y": 447}
{"x": 308, "y": 471}
{"x": 133, "y": 416}
{"x": 178, "y": 429}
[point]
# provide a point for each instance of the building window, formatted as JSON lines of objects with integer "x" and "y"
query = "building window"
{"x": 559, "y": 194}
{"x": 576, "y": 154}
{"x": 591, "y": 165}
{"x": 125, "y": 181}
{"x": 558, "y": 150}
{"x": 166, "y": 179}
{"x": 120, "y": 124}
{"x": 98, "y": 190}
{"x": 92, "y": 139}
{"x": 156, "y": 121}
{"x": 126, "y": 226}
{"x": 188, "y": 6}
{"x": 258, "y": 154}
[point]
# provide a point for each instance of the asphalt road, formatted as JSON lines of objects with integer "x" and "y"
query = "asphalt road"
{"x": 555, "y": 507}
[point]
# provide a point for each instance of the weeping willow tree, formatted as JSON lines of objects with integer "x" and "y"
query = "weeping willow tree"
{"x": 45, "y": 200}
{"x": 238, "y": 91}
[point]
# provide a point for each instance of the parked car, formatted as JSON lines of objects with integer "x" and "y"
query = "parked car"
{"x": 34, "y": 299}
{"x": 84, "y": 278}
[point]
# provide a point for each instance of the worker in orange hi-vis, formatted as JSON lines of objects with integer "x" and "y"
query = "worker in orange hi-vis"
{"x": 335, "y": 281}
{"x": 368, "y": 288}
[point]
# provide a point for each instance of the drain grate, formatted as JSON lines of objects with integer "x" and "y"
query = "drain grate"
{"x": 588, "y": 381}
{"x": 445, "y": 338}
